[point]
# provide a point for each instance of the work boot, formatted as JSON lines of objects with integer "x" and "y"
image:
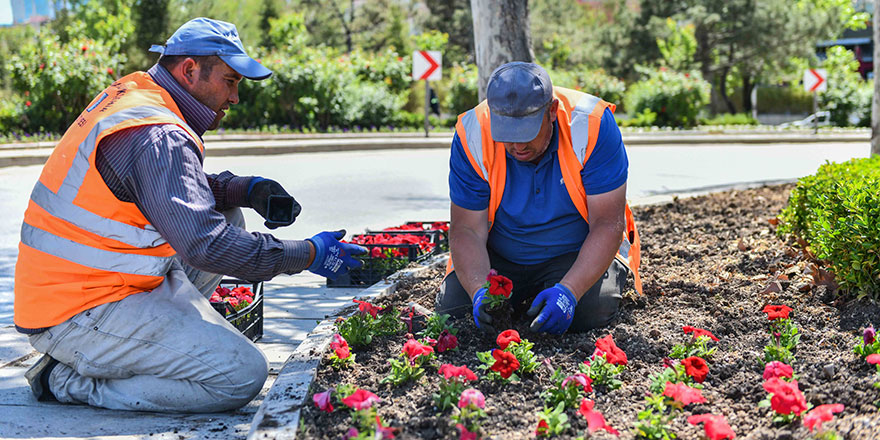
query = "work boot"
{"x": 38, "y": 378}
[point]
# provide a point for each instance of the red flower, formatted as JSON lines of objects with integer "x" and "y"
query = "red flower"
{"x": 699, "y": 332}
{"x": 365, "y": 308}
{"x": 27, "y": 104}
{"x": 821, "y": 414}
{"x": 683, "y": 394}
{"x": 696, "y": 367}
{"x": 580, "y": 378}
{"x": 776, "y": 312}
{"x": 613, "y": 354}
{"x": 446, "y": 341}
{"x": 595, "y": 419}
{"x": 84, "y": 48}
{"x": 338, "y": 341}
{"x": 873, "y": 359}
{"x": 322, "y": 401}
{"x": 360, "y": 399}
{"x": 543, "y": 429}
{"x": 110, "y": 71}
{"x": 414, "y": 349}
{"x": 506, "y": 337}
{"x": 777, "y": 369}
{"x": 450, "y": 371}
{"x": 384, "y": 431}
{"x": 787, "y": 398}
{"x": 505, "y": 363}
{"x": 716, "y": 426}
{"x": 500, "y": 285}
{"x": 465, "y": 434}
{"x": 342, "y": 352}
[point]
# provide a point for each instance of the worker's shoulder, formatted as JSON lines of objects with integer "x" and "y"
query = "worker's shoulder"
{"x": 166, "y": 132}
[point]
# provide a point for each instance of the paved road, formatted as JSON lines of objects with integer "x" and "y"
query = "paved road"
{"x": 372, "y": 189}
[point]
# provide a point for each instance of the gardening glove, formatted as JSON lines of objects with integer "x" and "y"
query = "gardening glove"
{"x": 283, "y": 213}
{"x": 556, "y": 306}
{"x": 333, "y": 258}
{"x": 481, "y": 318}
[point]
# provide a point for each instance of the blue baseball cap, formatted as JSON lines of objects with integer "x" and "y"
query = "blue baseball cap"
{"x": 204, "y": 36}
{"x": 518, "y": 93}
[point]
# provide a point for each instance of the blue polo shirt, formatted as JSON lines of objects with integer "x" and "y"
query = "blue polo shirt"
{"x": 537, "y": 220}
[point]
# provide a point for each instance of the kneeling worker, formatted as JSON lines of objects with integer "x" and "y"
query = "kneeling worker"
{"x": 125, "y": 235}
{"x": 538, "y": 186}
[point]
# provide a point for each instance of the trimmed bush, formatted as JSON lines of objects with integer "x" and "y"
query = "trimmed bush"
{"x": 675, "y": 97}
{"x": 730, "y": 119}
{"x": 837, "y": 213}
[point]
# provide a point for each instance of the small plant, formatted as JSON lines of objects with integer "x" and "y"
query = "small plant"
{"x": 369, "y": 321}
{"x": 868, "y": 343}
{"x": 367, "y": 421}
{"x": 471, "y": 408}
{"x": 499, "y": 364}
{"x": 499, "y": 288}
{"x": 409, "y": 367}
{"x": 568, "y": 390}
{"x": 821, "y": 414}
{"x": 785, "y": 399}
{"x": 514, "y": 354}
{"x": 691, "y": 371}
{"x": 435, "y": 325}
{"x": 696, "y": 346}
{"x": 654, "y": 421}
{"x": 784, "y": 335}
{"x": 341, "y": 356}
{"x": 451, "y": 385}
{"x": 553, "y": 421}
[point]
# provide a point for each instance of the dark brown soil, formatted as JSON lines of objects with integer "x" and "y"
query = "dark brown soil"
{"x": 707, "y": 262}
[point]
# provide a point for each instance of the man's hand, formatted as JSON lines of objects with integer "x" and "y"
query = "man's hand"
{"x": 283, "y": 213}
{"x": 333, "y": 258}
{"x": 556, "y": 306}
{"x": 481, "y": 318}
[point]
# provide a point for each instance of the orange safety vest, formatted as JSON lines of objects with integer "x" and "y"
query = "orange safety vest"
{"x": 579, "y": 117}
{"x": 81, "y": 246}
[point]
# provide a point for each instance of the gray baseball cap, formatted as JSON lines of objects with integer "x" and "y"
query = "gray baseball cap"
{"x": 518, "y": 93}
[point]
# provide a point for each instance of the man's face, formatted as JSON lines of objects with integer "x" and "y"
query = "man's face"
{"x": 218, "y": 90}
{"x": 533, "y": 150}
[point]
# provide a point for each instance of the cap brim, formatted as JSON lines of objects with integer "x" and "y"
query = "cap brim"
{"x": 246, "y": 66}
{"x": 516, "y": 129}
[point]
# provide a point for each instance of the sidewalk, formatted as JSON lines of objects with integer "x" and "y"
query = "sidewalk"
{"x": 293, "y": 306}
{"x": 22, "y": 154}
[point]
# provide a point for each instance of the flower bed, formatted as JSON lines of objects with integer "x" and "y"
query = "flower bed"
{"x": 711, "y": 266}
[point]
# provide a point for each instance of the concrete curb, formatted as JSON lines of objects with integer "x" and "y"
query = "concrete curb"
{"x": 279, "y": 415}
{"x": 241, "y": 145}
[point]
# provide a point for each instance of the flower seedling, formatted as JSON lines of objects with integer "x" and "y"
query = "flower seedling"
{"x": 499, "y": 365}
{"x": 779, "y": 370}
{"x": 553, "y": 421}
{"x": 409, "y": 366}
{"x": 785, "y": 399}
{"x": 363, "y": 413}
{"x": 568, "y": 390}
{"x": 691, "y": 371}
{"x": 868, "y": 343}
{"x": 697, "y": 345}
{"x": 714, "y": 426}
{"x": 819, "y": 415}
{"x": 784, "y": 335}
{"x": 341, "y": 355}
{"x": 436, "y": 324}
{"x": 498, "y": 289}
{"x": 514, "y": 354}
{"x": 595, "y": 419}
{"x": 654, "y": 420}
{"x": 606, "y": 363}
{"x": 369, "y": 321}
{"x": 452, "y": 384}
{"x": 471, "y": 408}
{"x": 239, "y": 297}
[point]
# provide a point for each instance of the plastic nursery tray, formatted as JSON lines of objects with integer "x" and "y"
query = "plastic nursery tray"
{"x": 249, "y": 320}
{"x": 375, "y": 269}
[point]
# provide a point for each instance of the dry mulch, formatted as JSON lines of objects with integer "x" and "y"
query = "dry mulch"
{"x": 712, "y": 262}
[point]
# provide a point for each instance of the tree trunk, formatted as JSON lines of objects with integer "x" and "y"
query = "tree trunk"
{"x": 875, "y": 102}
{"x": 722, "y": 88}
{"x": 501, "y": 35}
{"x": 747, "y": 93}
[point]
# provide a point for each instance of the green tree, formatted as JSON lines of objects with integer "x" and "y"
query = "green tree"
{"x": 268, "y": 12}
{"x": 151, "y": 27}
{"x": 452, "y": 18}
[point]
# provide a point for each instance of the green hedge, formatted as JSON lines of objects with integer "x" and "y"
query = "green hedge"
{"x": 674, "y": 97}
{"x": 837, "y": 212}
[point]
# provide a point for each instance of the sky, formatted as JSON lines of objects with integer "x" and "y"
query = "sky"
{"x": 5, "y": 12}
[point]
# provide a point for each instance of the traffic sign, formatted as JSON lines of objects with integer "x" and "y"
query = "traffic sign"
{"x": 815, "y": 80}
{"x": 427, "y": 65}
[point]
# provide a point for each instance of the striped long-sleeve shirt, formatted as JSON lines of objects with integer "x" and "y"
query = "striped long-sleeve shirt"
{"x": 159, "y": 169}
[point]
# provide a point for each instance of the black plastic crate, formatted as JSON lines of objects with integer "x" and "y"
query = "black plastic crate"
{"x": 441, "y": 239}
{"x": 374, "y": 269}
{"x": 249, "y": 320}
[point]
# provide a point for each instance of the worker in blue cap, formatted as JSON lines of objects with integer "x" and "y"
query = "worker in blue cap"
{"x": 538, "y": 186}
{"x": 126, "y": 237}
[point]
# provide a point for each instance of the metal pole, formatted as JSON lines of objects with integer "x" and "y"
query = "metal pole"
{"x": 427, "y": 105}
{"x": 815, "y": 113}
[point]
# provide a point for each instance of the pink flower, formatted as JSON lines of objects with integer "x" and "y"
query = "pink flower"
{"x": 595, "y": 419}
{"x": 873, "y": 359}
{"x": 821, "y": 414}
{"x": 581, "y": 379}
{"x": 414, "y": 349}
{"x": 338, "y": 341}
{"x": 777, "y": 369}
{"x": 465, "y": 434}
{"x": 446, "y": 341}
{"x": 360, "y": 399}
{"x": 716, "y": 426}
{"x": 322, "y": 401}
{"x": 384, "y": 431}
{"x": 463, "y": 373}
{"x": 869, "y": 335}
{"x": 683, "y": 394}
{"x": 473, "y": 397}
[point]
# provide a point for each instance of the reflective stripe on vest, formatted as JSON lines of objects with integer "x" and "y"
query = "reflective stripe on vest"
{"x": 473, "y": 138}
{"x": 92, "y": 257}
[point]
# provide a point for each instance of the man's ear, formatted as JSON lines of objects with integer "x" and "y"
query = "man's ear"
{"x": 554, "y": 106}
{"x": 188, "y": 70}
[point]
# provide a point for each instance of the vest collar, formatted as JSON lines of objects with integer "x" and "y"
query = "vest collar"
{"x": 197, "y": 115}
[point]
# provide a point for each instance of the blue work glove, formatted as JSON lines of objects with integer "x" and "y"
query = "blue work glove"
{"x": 272, "y": 202}
{"x": 333, "y": 258}
{"x": 556, "y": 306}
{"x": 482, "y": 319}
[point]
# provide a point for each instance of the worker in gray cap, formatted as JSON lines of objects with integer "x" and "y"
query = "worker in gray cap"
{"x": 125, "y": 238}
{"x": 537, "y": 181}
